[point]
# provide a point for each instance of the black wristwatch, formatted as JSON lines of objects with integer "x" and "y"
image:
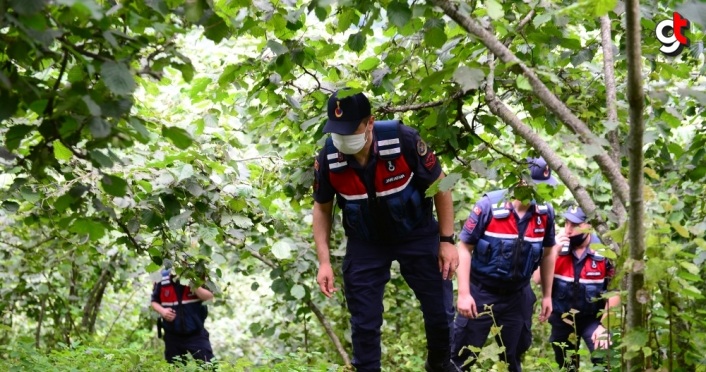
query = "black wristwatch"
{"x": 448, "y": 238}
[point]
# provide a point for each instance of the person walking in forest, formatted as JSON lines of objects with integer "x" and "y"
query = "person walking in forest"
{"x": 508, "y": 239}
{"x": 182, "y": 316}
{"x": 378, "y": 171}
{"x": 581, "y": 276}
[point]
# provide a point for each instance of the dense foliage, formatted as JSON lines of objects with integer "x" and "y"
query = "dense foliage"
{"x": 138, "y": 130}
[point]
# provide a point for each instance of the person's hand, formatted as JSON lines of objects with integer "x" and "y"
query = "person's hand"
{"x": 448, "y": 260}
{"x": 546, "y": 309}
{"x": 168, "y": 314}
{"x": 325, "y": 280}
{"x": 600, "y": 338}
{"x": 466, "y": 306}
{"x": 561, "y": 238}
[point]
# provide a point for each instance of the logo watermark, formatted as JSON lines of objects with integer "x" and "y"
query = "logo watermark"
{"x": 671, "y": 33}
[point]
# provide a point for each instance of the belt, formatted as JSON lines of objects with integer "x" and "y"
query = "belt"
{"x": 500, "y": 290}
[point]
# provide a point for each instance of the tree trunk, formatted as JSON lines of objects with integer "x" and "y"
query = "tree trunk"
{"x": 637, "y": 295}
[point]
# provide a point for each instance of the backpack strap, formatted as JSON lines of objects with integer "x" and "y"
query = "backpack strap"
{"x": 388, "y": 139}
{"x": 336, "y": 160}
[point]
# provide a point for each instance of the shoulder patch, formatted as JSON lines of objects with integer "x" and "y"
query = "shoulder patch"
{"x": 476, "y": 210}
{"x": 422, "y": 147}
{"x": 430, "y": 161}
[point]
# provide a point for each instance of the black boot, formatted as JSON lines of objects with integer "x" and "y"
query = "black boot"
{"x": 440, "y": 361}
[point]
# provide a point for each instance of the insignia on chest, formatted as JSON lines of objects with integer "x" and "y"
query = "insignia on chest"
{"x": 394, "y": 178}
{"x": 594, "y": 273}
{"x": 539, "y": 230}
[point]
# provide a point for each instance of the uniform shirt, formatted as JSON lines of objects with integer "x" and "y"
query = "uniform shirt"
{"x": 421, "y": 161}
{"x": 480, "y": 217}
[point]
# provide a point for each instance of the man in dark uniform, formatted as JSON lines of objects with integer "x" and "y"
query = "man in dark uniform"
{"x": 379, "y": 172}
{"x": 581, "y": 276}
{"x": 508, "y": 240}
{"x": 182, "y": 316}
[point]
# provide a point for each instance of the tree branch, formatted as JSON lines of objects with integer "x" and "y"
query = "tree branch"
{"x": 329, "y": 331}
{"x": 498, "y": 108}
{"x": 419, "y": 106}
{"x": 611, "y": 105}
{"x": 50, "y": 105}
{"x": 604, "y": 161}
{"x": 319, "y": 315}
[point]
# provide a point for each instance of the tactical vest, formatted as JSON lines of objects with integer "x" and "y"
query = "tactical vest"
{"x": 393, "y": 206}
{"x": 190, "y": 312}
{"x": 580, "y": 291}
{"x": 505, "y": 257}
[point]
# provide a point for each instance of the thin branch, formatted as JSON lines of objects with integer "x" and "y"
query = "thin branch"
{"x": 462, "y": 118}
{"x": 329, "y": 331}
{"x": 610, "y": 169}
{"x": 611, "y": 105}
{"x": 319, "y": 315}
{"x": 50, "y": 105}
{"x": 132, "y": 239}
{"x": 80, "y": 50}
{"x": 419, "y": 106}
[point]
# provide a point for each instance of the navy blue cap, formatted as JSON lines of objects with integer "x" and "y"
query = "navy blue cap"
{"x": 346, "y": 114}
{"x": 540, "y": 172}
{"x": 575, "y": 214}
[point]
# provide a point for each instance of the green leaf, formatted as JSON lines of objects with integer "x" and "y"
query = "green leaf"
{"x": 468, "y": 78}
{"x": 92, "y": 106}
{"x": 179, "y": 137}
{"x": 494, "y": 9}
{"x": 178, "y": 221}
{"x": 152, "y": 267}
{"x": 14, "y": 136}
{"x": 399, "y": 13}
{"x": 185, "y": 172}
{"x": 690, "y": 267}
{"x": 114, "y": 185}
{"x": 602, "y": 7}
{"x": 193, "y": 10}
{"x": 356, "y": 42}
{"x": 298, "y": 291}
{"x": 681, "y": 230}
{"x": 434, "y": 35}
{"x": 117, "y": 78}
{"x": 84, "y": 7}
{"x": 9, "y": 104}
{"x": 27, "y": 7}
{"x": 281, "y": 250}
{"x": 541, "y": 19}
{"x": 100, "y": 160}
{"x": 99, "y": 128}
{"x": 10, "y": 206}
{"x": 523, "y": 83}
{"x": 369, "y": 64}
{"x": 61, "y": 152}
{"x": 277, "y": 48}
{"x": 215, "y": 28}
{"x": 449, "y": 181}
{"x": 279, "y": 286}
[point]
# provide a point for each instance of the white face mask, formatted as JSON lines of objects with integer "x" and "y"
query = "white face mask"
{"x": 349, "y": 144}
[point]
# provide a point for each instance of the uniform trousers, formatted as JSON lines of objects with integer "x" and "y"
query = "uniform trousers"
{"x": 511, "y": 310}
{"x": 366, "y": 271}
